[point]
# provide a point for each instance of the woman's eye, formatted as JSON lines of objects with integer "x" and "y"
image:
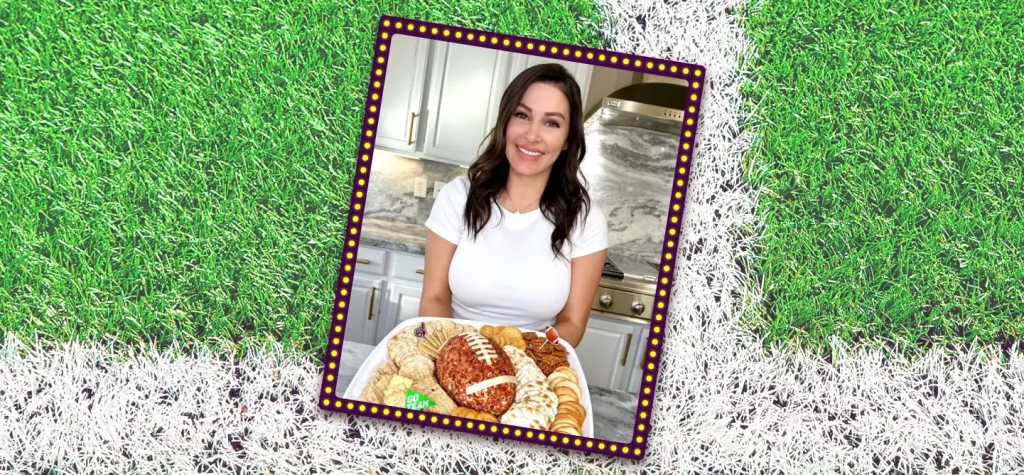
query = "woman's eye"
{"x": 554, "y": 124}
{"x": 521, "y": 115}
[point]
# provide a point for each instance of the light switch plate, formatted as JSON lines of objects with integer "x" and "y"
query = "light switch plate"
{"x": 437, "y": 187}
{"x": 420, "y": 189}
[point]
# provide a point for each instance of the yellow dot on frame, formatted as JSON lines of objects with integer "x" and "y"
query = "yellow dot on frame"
{"x": 529, "y": 435}
{"x": 505, "y": 42}
{"x": 362, "y": 169}
{"x": 641, "y": 426}
{"x": 504, "y": 431}
{"x": 671, "y": 244}
{"x": 678, "y": 195}
{"x": 615, "y": 59}
{"x": 361, "y": 183}
{"x": 590, "y": 55}
{"x": 359, "y": 194}
{"x": 494, "y": 428}
{"x": 696, "y": 73}
{"x": 470, "y": 36}
{"x": 384, "y": 35}
{"x": 398, "y": 25}
{"x": 643, "y": 415}
{"x": 693, "y": 97}
{"x": 378, "y": 72}
{"x": 373, "y": 108}
{"x": 565, "y": 51}
{"x": 657, "y": 329}
{"x": 332, "y": 365}
{"x": 654, "y": 342}
{"x": 665, "y": 268}
{"x": 355, "y": 219}
{"x": 636, "y": 451}
{"x": 684, "y": 158}
{"x": 662, "y": 293}
{"x": 370, "y": 121}
{"x": 376, "y": 84}
{"x": 366, "y": 157}
{"x": 446, "y": 32}
{"x": 589, "y": 444}
{"x": 647, "y": 390}
{"x": 645, "y": 403}
{"x": 576, "y": 442}
{"x": 422, "y": 417}
{"x": 661, "y": 305}
{"x": 327, "y": 402}
{"x": 614, "y": 447}
{"x": 687, "y": 133}
{"x": 433, "y": 31}
{"x": 494, "y": 40}
{"x": 398, "y": 413}
{"x": 625, "y": 449}
{"x": 354, "y": 231}
{"x": 334, "y": 354}
{"x": 383, "y": 47}
{"x": 696, "y": 85}
{"x": 458, "y": 34}
{"x": 692, "y": 109}
{"x": 341, "y": 316}
{"x": 408, "y": 415}
{"x": 542, "y": 47}
{"x": 410, "y": 26}
{"x": 380, "y": 60}
{"x": 444, "y": 421}
{"x": 373, "y": 410}
{"x": 483, "y": 38}
{"x": 328, "y": 390}
{"x": 362, "y": 407}
{"x": 600, "y": 57}
{"x": 337, "y": 404}
{"x": 659, "y": 318}
{"x": 565, "y": 440}
{"x": 518, "y": 432}
{"x": 375, "y": 96}
{"x": 336, "y": 341}
{"x": 601, "y": 446}
{"x": 519, "y": 44}
{"x": 423, "y": 29}
{"x": 387, "y": 22}
{"x": 673, "y": 69}
{"x": 664, "y": 280}
{"x": 686, "y": 70}
{"x": 369, "y": 133}
{"x": 541, "y": 436}
{"x": 650, "y": 65}
{"x": 650, "y": 365}
{"x": 529, "y": 45}
{"x": 686, "y": 146}
{"x": 554, "y": 49}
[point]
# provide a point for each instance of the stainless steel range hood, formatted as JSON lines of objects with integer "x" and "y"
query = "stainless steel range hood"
{"x": 651, "y": 99}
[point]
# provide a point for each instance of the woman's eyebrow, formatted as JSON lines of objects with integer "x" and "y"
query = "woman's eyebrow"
{"x": 528, "y": 109}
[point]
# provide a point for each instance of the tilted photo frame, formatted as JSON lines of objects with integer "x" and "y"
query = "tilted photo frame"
{"x": 353, "y": 289}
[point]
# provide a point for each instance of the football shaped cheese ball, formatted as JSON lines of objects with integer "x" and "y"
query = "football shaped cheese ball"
{"x": 476, "y": 373}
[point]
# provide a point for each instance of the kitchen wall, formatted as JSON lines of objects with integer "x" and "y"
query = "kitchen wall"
{"x": 604, "y": 81}
{"x": 392, "y": 179}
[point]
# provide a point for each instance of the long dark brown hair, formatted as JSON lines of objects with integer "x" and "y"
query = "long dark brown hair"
{"x": 565, "y": 197}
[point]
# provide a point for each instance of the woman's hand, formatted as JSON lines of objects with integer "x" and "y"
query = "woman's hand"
{"x": 571, "y": 322}
{"x": 436, "y": 300}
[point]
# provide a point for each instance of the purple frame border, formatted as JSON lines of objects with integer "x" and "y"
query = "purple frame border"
{"x": 388, "y": 26}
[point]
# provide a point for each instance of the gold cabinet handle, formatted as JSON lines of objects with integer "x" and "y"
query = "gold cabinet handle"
{"x": 373, "y": 296}
{"x": 363, "y": 261}
{"x": 629, "y": 341}
{"x": 419, "y": 271}
{"x": 412, "y": 120}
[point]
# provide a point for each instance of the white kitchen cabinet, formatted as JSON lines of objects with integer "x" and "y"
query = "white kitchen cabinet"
{"x": 363, "y": 309}
{"x": 466, "y": 83}
{"x": 579, "y": 71}
{"x": 605, "y": 350}
{"x": 636, "y": 376}
{"x": 402, "y": 100}
{"x": 403, "y": 303}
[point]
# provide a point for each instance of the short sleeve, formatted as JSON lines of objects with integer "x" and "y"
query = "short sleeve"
{"x": 592, "y": 236}
{"x": 446, "y": 215}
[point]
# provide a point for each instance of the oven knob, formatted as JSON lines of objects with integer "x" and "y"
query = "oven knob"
{"x": 606, "y": 300}
{"x": 638, "y": 307}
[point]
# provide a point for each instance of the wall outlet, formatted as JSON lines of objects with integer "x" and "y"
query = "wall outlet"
{"x": 437, "y": 187}
{"x": 420, "y": 188}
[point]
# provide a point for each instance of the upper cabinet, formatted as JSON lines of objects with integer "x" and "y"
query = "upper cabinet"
{"x": 466, "y": 84}
{"x": 401, "y": 105}
{"x": 579, "y": 71}
{"x": 441, "y": 99}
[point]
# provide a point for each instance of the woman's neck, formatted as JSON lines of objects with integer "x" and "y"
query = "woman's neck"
{"x": 525, "y": 192}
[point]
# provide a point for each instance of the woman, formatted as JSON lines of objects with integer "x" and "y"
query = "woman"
{"x": 516, "y": 241}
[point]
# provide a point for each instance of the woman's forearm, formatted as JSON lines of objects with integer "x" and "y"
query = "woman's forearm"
{"x": 435, "y": 307}
{"x": 570, "y": 332}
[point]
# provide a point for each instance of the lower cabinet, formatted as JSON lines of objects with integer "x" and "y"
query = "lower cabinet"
{"x": 363, "y": 312}
{"x": 638, "y": 366}
{"x": 605, "y": 350}
{"x": 403, "y": 303}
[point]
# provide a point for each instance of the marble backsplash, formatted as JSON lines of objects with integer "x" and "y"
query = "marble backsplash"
{"x": 390, "y": 195}
{"x": 629, "y": 166}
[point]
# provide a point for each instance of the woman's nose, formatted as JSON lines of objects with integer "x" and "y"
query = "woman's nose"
{"x": 533, "y": 133}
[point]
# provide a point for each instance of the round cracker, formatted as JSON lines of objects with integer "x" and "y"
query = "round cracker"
{"x": 575, "y": 409}
{"x": 568, "y": 372}
{"x": 569, "y": 431}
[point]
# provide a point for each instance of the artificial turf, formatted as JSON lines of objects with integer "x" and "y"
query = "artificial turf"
{"x": 891, "y": 164}
{"x": 181, "y": 171}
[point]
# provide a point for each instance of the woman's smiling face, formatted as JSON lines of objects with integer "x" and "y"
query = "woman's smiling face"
{"x": 538, "y": 130}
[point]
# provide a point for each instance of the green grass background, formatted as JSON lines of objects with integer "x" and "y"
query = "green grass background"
{"x": 891, "y": 147}
{"x": 182, "y": 170}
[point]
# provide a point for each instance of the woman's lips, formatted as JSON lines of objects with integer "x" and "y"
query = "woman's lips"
{"x": 529, "y": 154}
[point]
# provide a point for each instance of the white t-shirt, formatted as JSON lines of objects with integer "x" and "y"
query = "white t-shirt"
{"x": 509, "y": 275}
